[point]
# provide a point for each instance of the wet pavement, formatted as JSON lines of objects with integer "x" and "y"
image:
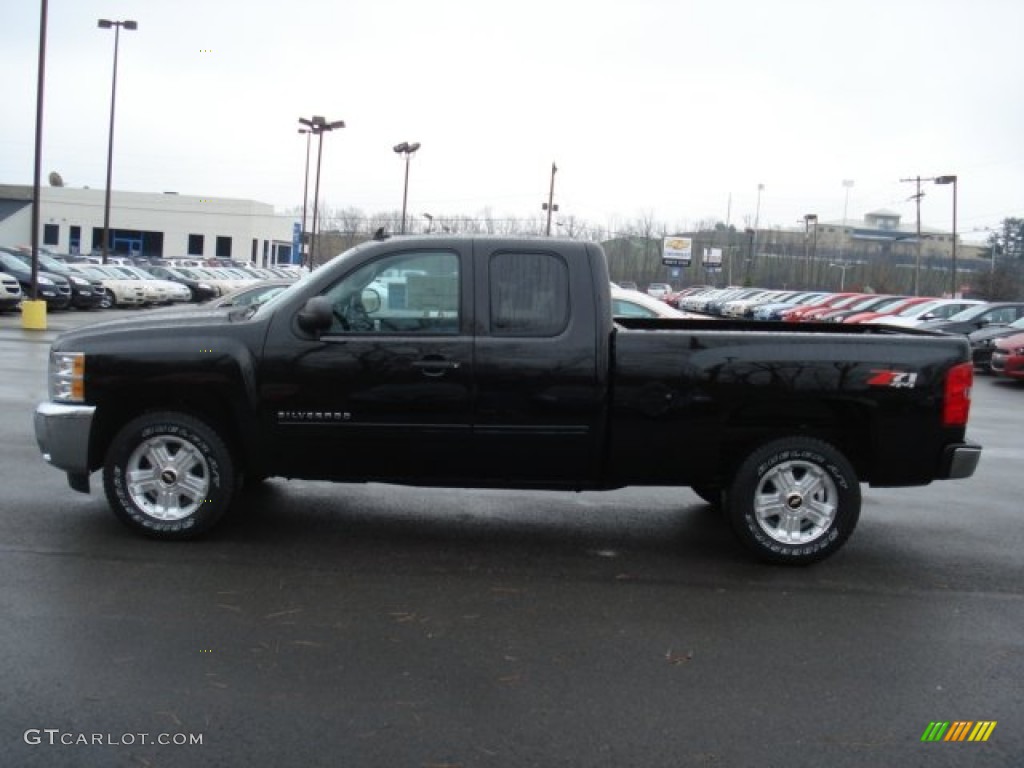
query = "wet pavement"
{"x": 371, "y": 625}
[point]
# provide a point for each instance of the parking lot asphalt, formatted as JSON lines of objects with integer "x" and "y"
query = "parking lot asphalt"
{"x": 374, "y": 625}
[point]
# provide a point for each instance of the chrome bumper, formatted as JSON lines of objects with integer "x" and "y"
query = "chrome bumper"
{"x": 62, "y": 432}
{"x": 961, "y": 460}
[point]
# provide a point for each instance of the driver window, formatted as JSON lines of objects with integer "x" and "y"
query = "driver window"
{"x": 406, "y": 293}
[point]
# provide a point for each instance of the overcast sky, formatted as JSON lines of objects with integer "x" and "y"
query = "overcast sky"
{"x": 669, "y": 108}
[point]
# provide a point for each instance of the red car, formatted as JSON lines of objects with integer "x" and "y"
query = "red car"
{"x": 1008, "y": 357}
{"x": 890, "y": 309}
{"x": 796, "y": 313}
{"x": 816, "y": 313}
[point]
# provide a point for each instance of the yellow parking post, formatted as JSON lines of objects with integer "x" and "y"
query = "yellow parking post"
{"x": 33, "y": 315}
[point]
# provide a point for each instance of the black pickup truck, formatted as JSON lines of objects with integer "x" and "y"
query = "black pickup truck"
{"x": 489, "y": 362}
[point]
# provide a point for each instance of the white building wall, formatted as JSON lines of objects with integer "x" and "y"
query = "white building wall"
{"x": 16, "y": 229}
{"x": 176, "y": 216}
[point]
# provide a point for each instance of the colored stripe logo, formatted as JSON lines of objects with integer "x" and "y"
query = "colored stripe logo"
{"x": 959, "y": 730}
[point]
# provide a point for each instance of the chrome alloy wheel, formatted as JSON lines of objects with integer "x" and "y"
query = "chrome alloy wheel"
{"x": 168, "y": 478}
{"x": 796, "y": 502}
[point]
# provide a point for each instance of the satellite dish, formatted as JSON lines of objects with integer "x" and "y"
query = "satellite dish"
{"x": 56, "y": 180}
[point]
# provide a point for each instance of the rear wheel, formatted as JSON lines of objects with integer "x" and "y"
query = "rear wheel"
{"x": 794, "y": 500}
{"x": 169, "y": 475}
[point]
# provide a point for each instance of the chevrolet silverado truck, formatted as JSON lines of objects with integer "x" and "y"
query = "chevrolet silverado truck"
{"x": 474, "y": 362}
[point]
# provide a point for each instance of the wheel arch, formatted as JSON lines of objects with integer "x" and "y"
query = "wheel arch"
{"x": 844, "y": 424}
{"x": 211, "y": 407}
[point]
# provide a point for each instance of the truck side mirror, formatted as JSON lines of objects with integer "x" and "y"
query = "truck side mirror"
{"x": 316, "y": 315}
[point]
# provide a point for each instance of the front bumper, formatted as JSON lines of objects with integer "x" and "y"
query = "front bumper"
{"x": 62, "y": 432}
{"x": 960, "y": 461}
{"x": 90, "y": 300}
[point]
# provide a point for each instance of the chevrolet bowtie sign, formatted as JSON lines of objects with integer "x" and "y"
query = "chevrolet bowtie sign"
{"x": 677, "y": 252}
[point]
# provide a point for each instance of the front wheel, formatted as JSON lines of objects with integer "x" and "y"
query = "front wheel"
{"x": 794, "y": 500}
{"x": 108, "y": 300}
{"x": 169, "y": 475}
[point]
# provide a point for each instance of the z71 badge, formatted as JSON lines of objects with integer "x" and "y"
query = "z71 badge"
{"x": 895, "y": 379}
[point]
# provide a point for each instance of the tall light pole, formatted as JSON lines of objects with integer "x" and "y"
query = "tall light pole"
{"x": 38, "y": 167}
{"x": 847, "y": 183}
{"x": 952, "y": 180}
{"x": 550, "y": 206}
{"x": 305, "y": 197}
{"x": 757, "y": 220}
{"x": 107, "y": 24}
{"x": 430, "y": 222}
{"x": 752, "y": 233}
{"x": 809, "y": 219}
{"x": 408, "y": 149}
{"x": 318, "y": 124}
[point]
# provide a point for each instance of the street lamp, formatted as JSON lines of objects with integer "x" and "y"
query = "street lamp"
{"x": 842, "y": 278}
{"x": 751, "y": 233}
{"x": 318, "y": 124}
{"x": 430, "y": 222}
{"x": 305, "y": 198}
{"x": 107, "y": 24}
{"x": 757, "y": 213}
{"x": 407, "y": 149}
{"x": 952, "y": 180}
{"x": 809, "y": 219}
{"x": 847, "y": 183}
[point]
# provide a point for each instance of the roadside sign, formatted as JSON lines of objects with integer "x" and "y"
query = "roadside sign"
{"x": 713, "y": 259}
{"x": 677, "y": 252}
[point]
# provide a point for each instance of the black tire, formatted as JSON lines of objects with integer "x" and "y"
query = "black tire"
{"x": 184, "y": 475}
{"x": 709, "y": 493}
{"x": 109, "y": 301}
{"x": 795, "y": 500}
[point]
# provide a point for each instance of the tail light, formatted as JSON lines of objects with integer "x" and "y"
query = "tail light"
{"x": 957, "y": 402}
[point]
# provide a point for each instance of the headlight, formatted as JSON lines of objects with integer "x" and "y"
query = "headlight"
{"x": 79, "y": 281}
{"x": 67, "y": 376}
{"x": 205, "y": 287}
{"x": 1018, "y": 351}
{"x": 44, "y": 280}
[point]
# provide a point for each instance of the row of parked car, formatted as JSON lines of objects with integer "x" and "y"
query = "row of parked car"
{"x": 65, "y": 282}
{"x": 995, "y": 329}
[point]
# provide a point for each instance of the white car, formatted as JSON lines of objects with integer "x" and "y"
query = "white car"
{"x": 626, "y": 303}
{"x": 157, "y": 291}
{"x": 659, "y": 290}
{"x": 10, "y": 292}
{"x": 119, "y": 291}
{"x": 227, "y": 278}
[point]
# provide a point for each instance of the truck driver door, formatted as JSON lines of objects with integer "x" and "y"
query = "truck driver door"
{"x": 385, "y": 392}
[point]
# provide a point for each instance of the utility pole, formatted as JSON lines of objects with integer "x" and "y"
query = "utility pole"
{"x": 917, "y": 262}
{"x": 550, "y": 206}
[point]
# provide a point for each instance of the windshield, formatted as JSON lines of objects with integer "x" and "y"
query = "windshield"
{"x": 299, "y": 285}
{"x": 968, "y": 314}
{"x": 920, "y": 309}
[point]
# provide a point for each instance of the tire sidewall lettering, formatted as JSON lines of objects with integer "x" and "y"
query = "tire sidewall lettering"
{"x": 760, "y": 462}
{"x": 220, "y": 482}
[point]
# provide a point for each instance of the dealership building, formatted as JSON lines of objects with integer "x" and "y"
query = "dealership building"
{"x": 147, "y": 224}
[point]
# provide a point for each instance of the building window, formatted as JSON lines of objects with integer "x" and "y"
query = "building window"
{"x": 195, "y": 245}
{"x": 51, "y": 234}
{"x": 223, "y": 247}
